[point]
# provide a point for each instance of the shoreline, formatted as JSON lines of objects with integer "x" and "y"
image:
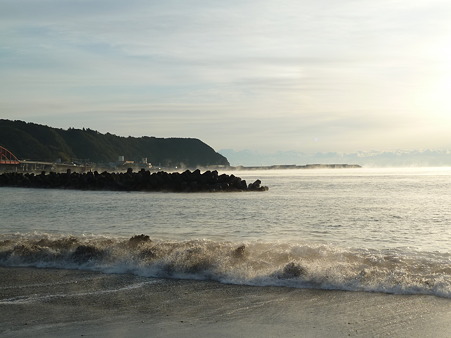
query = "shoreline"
{"x": 74, "y": 303}
{"x": 62, "y": 168}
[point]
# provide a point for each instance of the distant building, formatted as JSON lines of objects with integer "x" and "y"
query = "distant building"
{"x": 123, "y": 164}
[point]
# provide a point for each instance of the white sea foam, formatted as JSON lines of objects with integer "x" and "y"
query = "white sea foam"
{"x": 34, "y": 298}
{"x": 299, "y": 265}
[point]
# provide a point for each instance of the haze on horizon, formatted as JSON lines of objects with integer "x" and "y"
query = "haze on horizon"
{"x": 285, "y": 75}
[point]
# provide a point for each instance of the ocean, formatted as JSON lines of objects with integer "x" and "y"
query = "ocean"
{"x": 365, "y": 230}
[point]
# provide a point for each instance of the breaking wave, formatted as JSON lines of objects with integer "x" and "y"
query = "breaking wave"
{"x": 300, "y": 265}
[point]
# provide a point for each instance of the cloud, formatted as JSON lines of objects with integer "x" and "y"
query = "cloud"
{"x": 276, "y": 74}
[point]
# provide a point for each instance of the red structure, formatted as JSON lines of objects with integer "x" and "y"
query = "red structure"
{"x": 7, "y": 157}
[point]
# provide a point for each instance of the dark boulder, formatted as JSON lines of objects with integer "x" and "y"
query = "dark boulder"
{"x": 239, "y": 252}
{"x": 292, "y": 270}
{"x": 138, "y": 240}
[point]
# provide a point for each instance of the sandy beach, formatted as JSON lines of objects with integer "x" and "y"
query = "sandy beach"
{"x": 71, "y": 303}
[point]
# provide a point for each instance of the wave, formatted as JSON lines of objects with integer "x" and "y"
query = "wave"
{"x": 300, "y": 265}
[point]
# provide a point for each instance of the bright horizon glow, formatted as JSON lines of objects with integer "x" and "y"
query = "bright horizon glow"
{"x": 262, "y": 75}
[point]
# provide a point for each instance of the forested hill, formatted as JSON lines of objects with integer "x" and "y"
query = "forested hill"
{"x": 38, "y": 142}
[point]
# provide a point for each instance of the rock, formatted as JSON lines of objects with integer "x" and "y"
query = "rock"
{"x": 292, "y": 270}
{"x": 138, "y": 240}
{"x": 239, "y": 252}
{"x": 139, "y": 181}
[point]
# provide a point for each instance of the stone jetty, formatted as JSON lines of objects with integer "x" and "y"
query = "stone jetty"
{"x": 143, "y": 180}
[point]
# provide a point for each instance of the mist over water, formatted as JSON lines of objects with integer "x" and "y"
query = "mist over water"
{"x": 353, "y": 229}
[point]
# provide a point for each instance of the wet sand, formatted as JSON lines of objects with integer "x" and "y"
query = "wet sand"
{"x": 70, "y": 303}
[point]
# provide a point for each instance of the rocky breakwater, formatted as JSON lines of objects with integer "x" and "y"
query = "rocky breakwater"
{"x": 144, "y": 180}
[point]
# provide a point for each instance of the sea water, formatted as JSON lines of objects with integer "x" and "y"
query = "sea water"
{"x": 378, "y": 230}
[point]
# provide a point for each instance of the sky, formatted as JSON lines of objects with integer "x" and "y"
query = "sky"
{"x": 267, "y": 75}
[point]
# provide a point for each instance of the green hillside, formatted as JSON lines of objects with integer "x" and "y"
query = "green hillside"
{"x": 32, "y": 141}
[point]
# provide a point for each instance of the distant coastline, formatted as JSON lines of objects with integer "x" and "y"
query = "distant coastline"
{"x": 294, "y": 166}
{"x": 39, "y": 167}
